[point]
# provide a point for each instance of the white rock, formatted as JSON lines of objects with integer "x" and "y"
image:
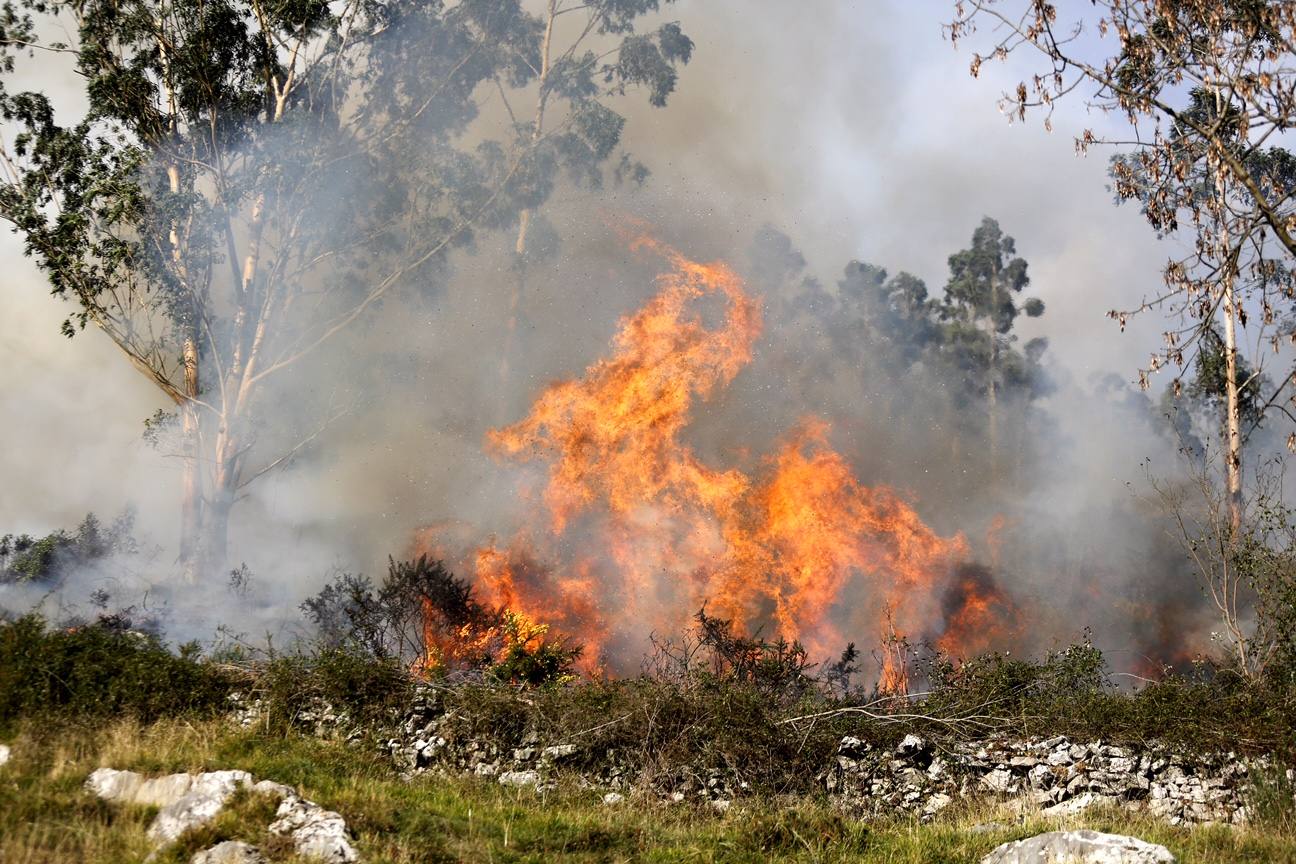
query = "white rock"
{"x": 911, "y": 745}
{"x": 937, "y": 803}
{"x": 998, "y": 780}
{"x": 1079, "y": 847}
{"x": 1041, "y": 777}
{"x": 229, "y": 852}
{"x": 116, "y": 786}
{"x": 519, "y": 778}
{"x": 278, "y": 790}
{"x": 561, "y": 751}
{"x": 163, "y": 791}
{"x": 1078, "y": 804}
{"x": 613, "y": 798}
{"x": 316, "y": 833}
{"x": 5, "y": 753}
{"x": 206, "y": 797}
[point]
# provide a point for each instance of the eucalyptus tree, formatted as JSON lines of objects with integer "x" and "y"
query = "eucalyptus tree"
{"x": 979, "y": 308}
{"x": 246, "y": 179}
{"x": 590, "y": 52}
{"x": 1208, "y": 89}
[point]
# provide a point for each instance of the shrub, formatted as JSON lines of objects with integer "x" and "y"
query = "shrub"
{"x": 712, "y": 652}
{"x": 423, "y": 616}
{"x": 24, "y": 558}
{"x": 100, "y": 670}
{"x": 368, "y": 688}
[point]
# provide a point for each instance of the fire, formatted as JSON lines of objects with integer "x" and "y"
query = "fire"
{"x": 975, "y": 612}
{"x": 637, "y": 532}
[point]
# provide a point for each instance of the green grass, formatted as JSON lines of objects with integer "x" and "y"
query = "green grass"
{"x": 45, "y": 816}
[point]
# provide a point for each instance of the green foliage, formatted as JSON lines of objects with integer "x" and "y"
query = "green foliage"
{"x": 959, "y": 347}
{"x": 1207, "y": 708}
{"x": 528, "y": 657}
{"x": 777, "y": 669}
{"x": 979, "y": 309}
{"x": 99, "y": 670}
{"x": 226, "y": 158}
{"x": 28, "y": 559}
{"x": 1263, "y": 557}
{"x": 368, "y": 688}
{"x": 1271, "y": 795}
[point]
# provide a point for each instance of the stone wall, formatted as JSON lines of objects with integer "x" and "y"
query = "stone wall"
{"x": 920, "y": 776}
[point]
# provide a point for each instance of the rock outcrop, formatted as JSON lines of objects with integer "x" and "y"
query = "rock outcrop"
{"x": 229, "y": 852}
{"x": 1079, "y": 847}
{"x": 188, "y": 801}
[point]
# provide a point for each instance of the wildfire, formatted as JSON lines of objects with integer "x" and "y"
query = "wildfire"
{"x": 637, "y": 532}
{"x": 975, "y": 612}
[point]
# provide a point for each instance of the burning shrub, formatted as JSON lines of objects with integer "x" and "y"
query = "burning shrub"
{"x": 425, "y": 618}
{"x": 527, "y": 657}
{"x": 778, "y": 668}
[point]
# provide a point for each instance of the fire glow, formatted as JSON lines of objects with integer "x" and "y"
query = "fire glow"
{"x": 633, "y": 532}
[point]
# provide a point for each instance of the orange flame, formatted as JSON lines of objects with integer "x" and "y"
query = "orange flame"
{"x": 642, "y": 532}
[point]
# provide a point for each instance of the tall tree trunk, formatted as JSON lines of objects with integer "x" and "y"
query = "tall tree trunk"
{"x": 992, "y": 400}
{"x": 226, "y": 475}
{"x": 1233, "y": 411}
{"x": 1232, "y": 398}
{"x": 215, "y": 540}
{"x": 524, "y": 218}
{"x": 514, "y": 309}
{"x": 191, "y": 485}
{"x": 191, "y": 495}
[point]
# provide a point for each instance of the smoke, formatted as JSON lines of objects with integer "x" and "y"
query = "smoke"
{"x": 858, "y": 135}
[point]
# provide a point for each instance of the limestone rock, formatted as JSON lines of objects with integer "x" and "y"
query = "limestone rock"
{"x": 205, "y": 798}
{"x": 229, "y": 852}
{"x": 1079, "y": 847}
{"x": 5, "y": 753}
{"x": 316, "y": 833}
{"x": 1078, "y": 804}
{"x": 190, "y": 800}
{"x": 937, "y": 803}
{"x": 119, "y": 787}
{"x": 519, "y": 778}
{"x": 558, "y": 752}
{"x": 163, "y": 791}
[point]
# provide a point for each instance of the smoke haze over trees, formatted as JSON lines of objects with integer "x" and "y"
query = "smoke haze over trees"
{"x": 389, "y": 230}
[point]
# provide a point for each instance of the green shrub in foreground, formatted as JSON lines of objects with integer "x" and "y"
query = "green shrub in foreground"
{"x": 100, "y": 671}
{"x": 367, "y": 687}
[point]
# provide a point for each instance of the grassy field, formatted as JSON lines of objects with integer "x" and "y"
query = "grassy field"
{"x": 45, "y": 816}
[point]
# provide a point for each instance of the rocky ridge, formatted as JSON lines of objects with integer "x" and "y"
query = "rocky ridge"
{"x": 1057, "y": 775}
